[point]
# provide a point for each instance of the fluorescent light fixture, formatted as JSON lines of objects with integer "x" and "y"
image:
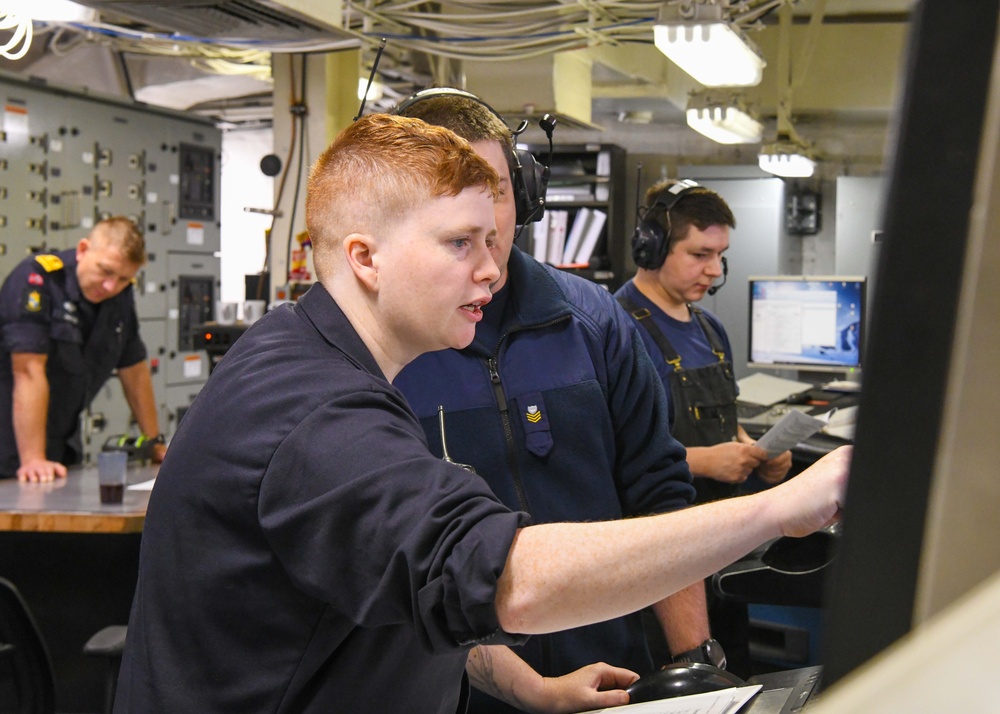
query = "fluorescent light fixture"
{"x": 786, "y": 159}
{"x": 726, "y": 120}
{"x": 50, "y": 10}
{"x": 374, "y": 93}
{"x": 708, "y": 47}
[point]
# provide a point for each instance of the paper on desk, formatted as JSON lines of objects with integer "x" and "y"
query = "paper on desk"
{"x": 789, "y": 431}
{"x": 766, "y": 389}
{"x": 142, "y": 485}
{"x": 724, "y": 701}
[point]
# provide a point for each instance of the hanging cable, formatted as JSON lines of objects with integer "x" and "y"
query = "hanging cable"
{"x": 299, "y": 111}
{"x": 287, "y": 164}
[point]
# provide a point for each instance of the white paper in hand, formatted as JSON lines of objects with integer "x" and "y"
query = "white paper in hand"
{"x": 793, "y": 428}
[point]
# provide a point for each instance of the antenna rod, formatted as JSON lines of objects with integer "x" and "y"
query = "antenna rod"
{"x": 371, "y": 78}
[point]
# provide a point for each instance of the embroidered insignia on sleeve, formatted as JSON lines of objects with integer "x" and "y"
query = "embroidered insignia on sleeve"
{"x": 35, "y": 279}
{"x": 49, "y": 263}
{"x": 33, "y": 301}
{"x": 534, "y": 415}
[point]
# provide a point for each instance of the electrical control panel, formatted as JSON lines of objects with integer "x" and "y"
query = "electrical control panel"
{"x": 69, "y": 158}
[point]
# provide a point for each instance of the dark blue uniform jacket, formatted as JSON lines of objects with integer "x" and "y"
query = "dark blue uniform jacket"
{"x": 303, "y": 551}
{"x": 566, "y": 419}
{"x": 43, "y": 312}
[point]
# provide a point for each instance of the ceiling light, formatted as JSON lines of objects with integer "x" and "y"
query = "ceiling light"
{"x": 726, "y": 120}
{"x": 788, "y": 159}
{"x": 50, "y": 10}
{"x": 708, "y": 47}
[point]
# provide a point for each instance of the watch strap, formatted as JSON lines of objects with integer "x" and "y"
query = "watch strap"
{"x": 708, "y": 652}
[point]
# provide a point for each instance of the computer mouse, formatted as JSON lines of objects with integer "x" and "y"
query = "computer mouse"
{"x": 798, "y": 556}
{"x": 680, "y": 679}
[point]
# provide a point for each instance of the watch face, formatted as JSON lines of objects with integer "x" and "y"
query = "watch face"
{"x": 715, "y": 654}
{"x": 708, "y": 652}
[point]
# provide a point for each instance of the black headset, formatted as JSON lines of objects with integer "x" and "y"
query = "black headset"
{"x": 528, "y": 177}
{"x": 650, "y": 242}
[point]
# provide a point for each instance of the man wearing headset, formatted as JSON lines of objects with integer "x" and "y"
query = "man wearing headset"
{"x": 678, "y": 248}
{"x": 557, "y": 406}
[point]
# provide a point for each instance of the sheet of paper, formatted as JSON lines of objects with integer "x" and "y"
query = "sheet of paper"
{"x": 766, "y": 389}
{"x": 789, "y": 431}
{"x": 724, "y": 701}
{"x": 142, "y": 485}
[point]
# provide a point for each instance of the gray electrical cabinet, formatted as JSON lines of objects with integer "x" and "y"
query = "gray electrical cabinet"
{"x": 70, "y": 158}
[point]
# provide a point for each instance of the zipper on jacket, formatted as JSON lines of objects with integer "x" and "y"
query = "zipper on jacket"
{"x": 508, "y": 432}
{"x": 545, "y": 641}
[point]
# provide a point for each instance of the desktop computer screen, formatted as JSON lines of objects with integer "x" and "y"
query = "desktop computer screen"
{"x": 812, "y": 323}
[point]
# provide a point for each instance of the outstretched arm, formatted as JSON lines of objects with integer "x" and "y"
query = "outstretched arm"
{"x": 563, "y": 575}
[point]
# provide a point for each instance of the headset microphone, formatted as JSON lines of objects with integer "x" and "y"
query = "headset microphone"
{"x": 531, "y": 177}
{"x": 725, "y": 273}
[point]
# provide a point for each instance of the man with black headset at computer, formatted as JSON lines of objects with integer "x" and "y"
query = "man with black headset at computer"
{"x": 554, "y": 404}
{"x": 678, "y": 247}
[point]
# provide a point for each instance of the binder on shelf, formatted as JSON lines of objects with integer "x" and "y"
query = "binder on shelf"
{"x": 557, "y": 236}
{"x": 575, "y": 236}
{"x": 604, "y": 163}
{"x": 588, "y": 243}
{"x": 591, "y": 236}
{"x": 602, "y": 190}
{"x": 575, "y": 192}
{"x": 540, "y": 238}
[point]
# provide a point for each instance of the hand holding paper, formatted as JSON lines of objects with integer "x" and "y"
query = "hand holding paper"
{"x": 793, "y": 428}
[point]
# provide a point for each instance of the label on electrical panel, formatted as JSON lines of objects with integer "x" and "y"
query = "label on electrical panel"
{"x": 15, "y": 119}
{"x": 192, "y": 367}
{"x": 196, "y": 234}
{"x": 152, "y": 197}
{"x": 87, "y": 157}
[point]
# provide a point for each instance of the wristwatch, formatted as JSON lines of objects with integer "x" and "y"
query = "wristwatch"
{"x": 708, "y": 652}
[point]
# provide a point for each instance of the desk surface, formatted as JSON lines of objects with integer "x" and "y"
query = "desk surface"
{"x": 73, "y": 504}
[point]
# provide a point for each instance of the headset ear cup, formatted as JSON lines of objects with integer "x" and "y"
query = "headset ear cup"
{"x": 530, "y": 184}
{"x": 648, "y": 245}
{"x": 649, "y": 242}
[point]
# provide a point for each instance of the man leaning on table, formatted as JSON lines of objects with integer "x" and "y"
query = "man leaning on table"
{"x": 67, "y": 322}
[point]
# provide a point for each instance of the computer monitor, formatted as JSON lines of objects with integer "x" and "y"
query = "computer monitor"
{"x": 807, "y": 322}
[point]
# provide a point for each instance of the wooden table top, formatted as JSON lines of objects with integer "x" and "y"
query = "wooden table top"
{"x": 73, "y": 504}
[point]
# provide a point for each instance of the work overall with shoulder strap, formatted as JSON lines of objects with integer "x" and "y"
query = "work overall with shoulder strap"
{"x": 704, "y": 398}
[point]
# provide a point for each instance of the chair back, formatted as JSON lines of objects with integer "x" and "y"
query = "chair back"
{"x": 27, "y": 685}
